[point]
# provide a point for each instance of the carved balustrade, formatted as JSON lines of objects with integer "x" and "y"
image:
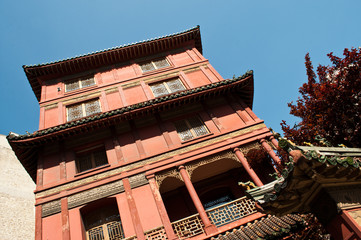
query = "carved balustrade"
{"x": 188, "y": 227}
{"x": 131, "y": 238}
{"x": 156, "y": 234}
{"x": 231, "y": 211}
{"x": 219, "y": 216}
{"x": 109, "y": 231}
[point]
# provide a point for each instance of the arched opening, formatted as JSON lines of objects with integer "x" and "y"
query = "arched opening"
{"x": 102, "y": 221}
{"x": 216, "y": 183}
{"x": 176, "y": 199}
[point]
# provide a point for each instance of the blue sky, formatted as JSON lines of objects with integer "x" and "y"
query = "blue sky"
{"x": 269, "y": 37}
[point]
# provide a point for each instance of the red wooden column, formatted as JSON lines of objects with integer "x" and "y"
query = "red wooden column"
{"x": 274, "y": 141}
{"x": 38, "y": 223}
{"x": 133, "y": 210}
{"x": 161, "y": 208}
{"x": 246, "y": 166}
{"x": 208, "y": 226}
{"x": 65, "y": 218}
{"x": 270, "y": 151}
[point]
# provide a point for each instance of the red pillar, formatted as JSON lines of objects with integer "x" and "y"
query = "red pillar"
{"x": 270, "y": 151}
{"x": 246, "y": 166}
{"x": 161, "y": 208}
{"x": 274, "y": 141}
{"x": 38, "y": 223}
{"x": 65, "y": 218}
{"x": 133, "y": 210}
{"x": 208, "y": 226}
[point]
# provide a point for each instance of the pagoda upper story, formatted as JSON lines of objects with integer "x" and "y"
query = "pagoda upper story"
{"x": 74, "y": 88}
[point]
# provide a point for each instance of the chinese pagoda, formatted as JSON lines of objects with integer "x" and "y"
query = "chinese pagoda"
{"x": 148, "y": 141}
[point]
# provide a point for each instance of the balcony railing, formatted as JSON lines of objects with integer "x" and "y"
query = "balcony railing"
{"x": 219, "y": 216}
{"x": 153, "y": 234}
{"x": 188, "y": 227}
{"x": 156, "y": 234}
{"x": 231, "y": 211}
{"x": 109, "y": 231}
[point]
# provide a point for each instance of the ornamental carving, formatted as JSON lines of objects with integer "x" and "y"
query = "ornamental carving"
{"x": 138, "y": 180}
{"x": 50, "y": 208}
{"x": 190, "y": 167}
{"x": 95, "y": 194}
{"x": 245, "y": 148}
{"x": 165, "y": 174}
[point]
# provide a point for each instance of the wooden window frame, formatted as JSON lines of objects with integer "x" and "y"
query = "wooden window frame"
{"x": 154, "y": 65}
{"x": 191, "y": 129}
{"x": 80, "y": 82}
{"x": 165, "y": 84}
{"x": 91, "y": 152}
{"x": 82, "y": 104}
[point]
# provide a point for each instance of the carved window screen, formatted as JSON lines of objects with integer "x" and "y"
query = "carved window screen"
{"x": 153, "y": 65}
{"x": 83, "y": 110}
{"x": 163, "y": 88}
{"x": 190, "y": 128}
{"x": 91, "y": 160}
{"x": 79, "y": 83}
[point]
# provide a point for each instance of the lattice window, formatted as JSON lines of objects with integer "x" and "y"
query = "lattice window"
{"x": 79, "y": 83}
{"x": 91, "y": 159}
{"x": 190, "y": 128}
{"x": 83, "y": 110}
{"x": 166, "y": 87}
{"x": 155, "y": 64}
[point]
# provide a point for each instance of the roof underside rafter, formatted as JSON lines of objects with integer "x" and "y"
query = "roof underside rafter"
{"x": 110, "y": 56}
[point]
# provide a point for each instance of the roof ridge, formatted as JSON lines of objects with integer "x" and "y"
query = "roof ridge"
{"x": 112, "y": 48}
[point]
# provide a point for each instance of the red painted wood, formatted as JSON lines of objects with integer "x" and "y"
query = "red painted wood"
{"x": 246, "y": 166}
{"x": 38, "y": 223}
{"x": 161, "y": 208}
{"x": 208, "y": 226}
{"x": 133, "y": 210}
{"x": 65, "y": 219}
{"x": 270, "y": 151}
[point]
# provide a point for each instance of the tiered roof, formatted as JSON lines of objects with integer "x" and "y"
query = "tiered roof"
{"x": 110, "y": 56}
{"x": 26, "y": 146}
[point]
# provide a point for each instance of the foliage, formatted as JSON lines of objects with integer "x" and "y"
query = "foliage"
{"x": 330, "y": 103}
{"x": 257, "y": 157}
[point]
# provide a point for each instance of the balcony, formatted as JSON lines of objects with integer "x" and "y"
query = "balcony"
{"x": 219, "y": 216}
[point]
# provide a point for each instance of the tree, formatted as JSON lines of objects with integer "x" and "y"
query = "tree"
{"x": 330, "y": 103}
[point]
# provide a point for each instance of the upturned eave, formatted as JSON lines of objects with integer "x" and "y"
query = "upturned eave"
{"x": 108, "y": 57}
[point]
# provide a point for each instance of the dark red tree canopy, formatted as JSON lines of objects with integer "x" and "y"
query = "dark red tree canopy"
{"x": 330, "y": 103}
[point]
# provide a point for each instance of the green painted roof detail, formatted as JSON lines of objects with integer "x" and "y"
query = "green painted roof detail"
{"x": 128, "y": 108}
{"x": 337, "y": 158}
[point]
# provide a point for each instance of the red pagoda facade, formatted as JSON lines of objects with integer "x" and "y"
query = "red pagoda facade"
{"x": 147, "y": 141}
